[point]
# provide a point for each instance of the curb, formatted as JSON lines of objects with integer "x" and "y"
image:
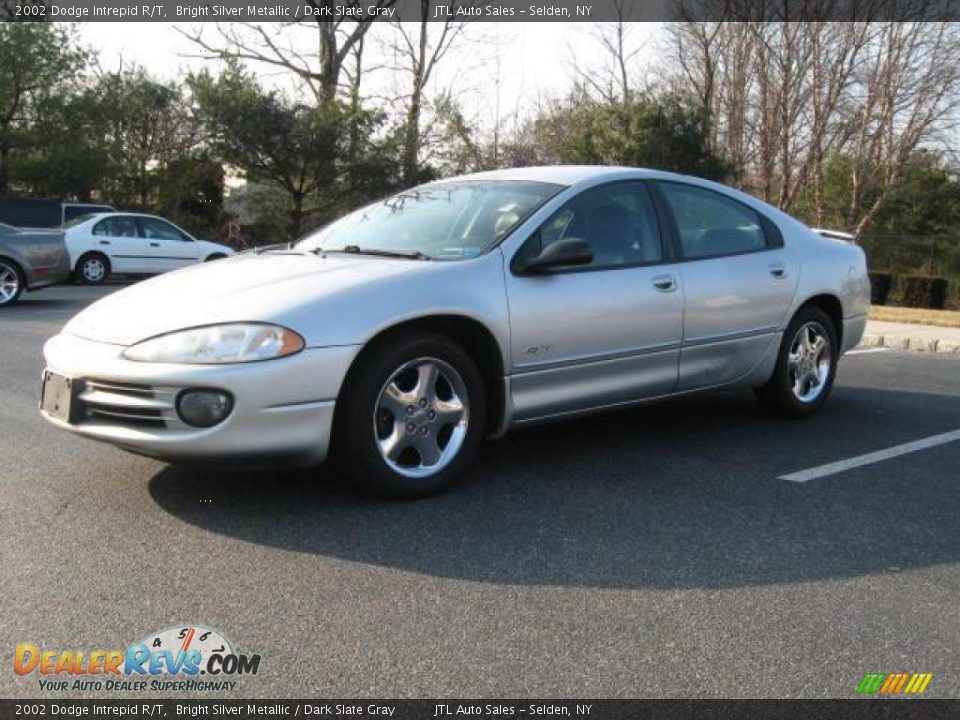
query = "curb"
{"x": 945, "y": 347}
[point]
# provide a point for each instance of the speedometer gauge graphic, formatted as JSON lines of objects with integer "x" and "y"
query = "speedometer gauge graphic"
{"x": 190, "y": 637}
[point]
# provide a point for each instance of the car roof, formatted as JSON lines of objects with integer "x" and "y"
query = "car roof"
{"x": 100, "y": 215}
{"x": 566, "y": 174}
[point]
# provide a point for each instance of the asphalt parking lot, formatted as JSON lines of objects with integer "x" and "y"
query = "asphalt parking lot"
{"x": 655, "y": 552}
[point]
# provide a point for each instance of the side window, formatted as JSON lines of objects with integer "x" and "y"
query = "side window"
{"x": 161, "y": 230}
{"x": 711, "y": 224}
{"x": 617, "y": 220}
{"x": 118, "y": 226}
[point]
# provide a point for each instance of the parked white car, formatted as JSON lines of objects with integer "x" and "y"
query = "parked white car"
{"x": 134, "y": 243}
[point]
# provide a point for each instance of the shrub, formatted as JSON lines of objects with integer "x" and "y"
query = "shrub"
{"x": 880, "y": 284}
{"x": 924, "y": 291}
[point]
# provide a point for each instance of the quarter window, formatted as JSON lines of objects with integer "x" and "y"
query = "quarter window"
{"x": 616, "y": 220}
{"x": 119, "y": 226}
{"x": 711, "y": 224}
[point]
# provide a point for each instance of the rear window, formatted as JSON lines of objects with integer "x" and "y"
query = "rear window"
{"x": 76, "y": 221}
{"x": 72, "y": 212}
{"x": 30, "y": 212}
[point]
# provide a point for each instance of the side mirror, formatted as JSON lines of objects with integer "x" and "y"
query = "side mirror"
{"x": 563, "y": 253}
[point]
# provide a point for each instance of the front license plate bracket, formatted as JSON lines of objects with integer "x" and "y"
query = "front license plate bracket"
{"x": 58, "y": 397}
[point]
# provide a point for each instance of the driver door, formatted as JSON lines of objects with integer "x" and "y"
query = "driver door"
{"x": 601, "y": 334}
{"x": 168, "y": 247}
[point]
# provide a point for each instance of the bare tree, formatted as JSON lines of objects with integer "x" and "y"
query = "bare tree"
{"x": 337, "y": 35}
{"x": 906, "y": 94}
{"x": 613, "y": 81}
{"x": 418, "y": 48}
{"x": 782, "y": 98}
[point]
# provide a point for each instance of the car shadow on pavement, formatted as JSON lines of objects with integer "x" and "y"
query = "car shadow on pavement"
{"x": 680, "y": 495}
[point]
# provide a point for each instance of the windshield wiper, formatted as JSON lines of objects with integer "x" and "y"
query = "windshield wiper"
{"x": 357, "y": 250}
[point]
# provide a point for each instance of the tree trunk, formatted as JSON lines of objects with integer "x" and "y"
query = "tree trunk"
{"x": 4, "y": 170}
{"x": 296, "y": 215}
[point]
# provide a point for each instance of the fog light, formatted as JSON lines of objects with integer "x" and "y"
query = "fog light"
{"x": 203, "y": 408}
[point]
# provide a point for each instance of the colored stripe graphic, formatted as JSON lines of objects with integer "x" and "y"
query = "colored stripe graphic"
{"x": 894, "y": 683}
{"x": 871, "y": 683}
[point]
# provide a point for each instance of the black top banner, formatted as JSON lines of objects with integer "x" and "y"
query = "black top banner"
{"x": 322, "y": 11}
{"x": 440, "y": 709}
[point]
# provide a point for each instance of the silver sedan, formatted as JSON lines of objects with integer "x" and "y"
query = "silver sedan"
{"x": 30, "y": 260}
{"x": 398, "y": 337}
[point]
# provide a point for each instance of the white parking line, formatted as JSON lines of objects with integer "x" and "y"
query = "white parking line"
{"x": 874, "y": 457}
{"x": 865, "y": 351}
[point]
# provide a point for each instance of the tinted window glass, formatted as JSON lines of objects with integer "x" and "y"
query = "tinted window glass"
{"x": 712, "y": 224}
{"x": 617, "y": 221}
{"x": 160, "y": 230}
{"x": 30, "y": 212}
{"x": 119, "y": 226}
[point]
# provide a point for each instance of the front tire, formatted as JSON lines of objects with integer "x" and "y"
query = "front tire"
{"x": 214, "y": 256}
{"x": 411, "y": 416}
{"x": 11, "y": 282}
{"x": 93, "y": 268}
{"x": 806, "y": 366}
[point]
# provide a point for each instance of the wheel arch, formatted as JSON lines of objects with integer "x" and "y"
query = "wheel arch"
{"x": 831, "y": 305}
{"x": 472, "y": 335}
{"x": 88, "y": 253}
{"x": 18, "y": 268}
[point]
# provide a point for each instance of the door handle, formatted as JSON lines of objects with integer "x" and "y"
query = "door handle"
{"x": 664, "y": 283}
{"x": 154, "y": 244}
{"x": 778, "y": 270}
{"x": 104, "y": 242}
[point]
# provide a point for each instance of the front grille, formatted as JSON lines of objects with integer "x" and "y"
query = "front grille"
{"x": 126, "y": 404}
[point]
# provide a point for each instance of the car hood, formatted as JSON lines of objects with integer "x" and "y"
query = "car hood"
{"x": 266, "y": 288}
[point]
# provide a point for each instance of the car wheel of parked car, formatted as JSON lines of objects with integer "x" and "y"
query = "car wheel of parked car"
{"x": 11, "y": 282}
{"x": 215, "y": 256}
{"x": 93, "y": 268}
{"x": 411, "y": 416}
{"x": 806, "y": 365}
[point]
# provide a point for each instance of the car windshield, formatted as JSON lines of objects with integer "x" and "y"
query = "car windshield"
{"x": 442, "y": 221}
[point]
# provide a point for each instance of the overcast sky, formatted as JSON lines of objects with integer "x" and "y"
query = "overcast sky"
{"x": 535, "y": 59}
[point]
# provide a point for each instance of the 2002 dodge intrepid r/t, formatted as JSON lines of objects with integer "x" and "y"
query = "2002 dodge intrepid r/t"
{"x": 400, "y": 335}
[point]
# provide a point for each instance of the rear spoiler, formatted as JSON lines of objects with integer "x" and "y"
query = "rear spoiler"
{"x": 836, "y": 235}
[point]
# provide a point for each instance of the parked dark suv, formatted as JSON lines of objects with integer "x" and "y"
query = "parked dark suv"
{"x": 44, "y": 213}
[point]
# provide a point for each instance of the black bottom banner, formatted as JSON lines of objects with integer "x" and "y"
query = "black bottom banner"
{"x": 454, "y": 709}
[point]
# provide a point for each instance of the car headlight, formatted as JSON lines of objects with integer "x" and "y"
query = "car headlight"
{"x": 215, "y": 344}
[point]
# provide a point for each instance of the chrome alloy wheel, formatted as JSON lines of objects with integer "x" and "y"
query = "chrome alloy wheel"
{"x": 9, "y": 283}
{"x": 809, "y": 362}
{"x": 93, "y": 269}
{"x": 421, "y": 416}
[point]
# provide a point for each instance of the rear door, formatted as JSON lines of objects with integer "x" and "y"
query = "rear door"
{"x": 168, "y": 246}
{"x": 118, "y": 237}
{"x": 738, "y": 280}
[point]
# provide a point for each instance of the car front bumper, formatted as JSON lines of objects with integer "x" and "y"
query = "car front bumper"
{"x": 281, "y": 408}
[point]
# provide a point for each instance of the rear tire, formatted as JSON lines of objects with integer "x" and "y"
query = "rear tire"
{"x": 410, "y": 417}
{"x": 93, "y": 268}
{"x": 12, "y": 282}
{"x": 806, "y": 366}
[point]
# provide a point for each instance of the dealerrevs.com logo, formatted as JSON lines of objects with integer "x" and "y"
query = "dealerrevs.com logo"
{"x": 187, "y": 658}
